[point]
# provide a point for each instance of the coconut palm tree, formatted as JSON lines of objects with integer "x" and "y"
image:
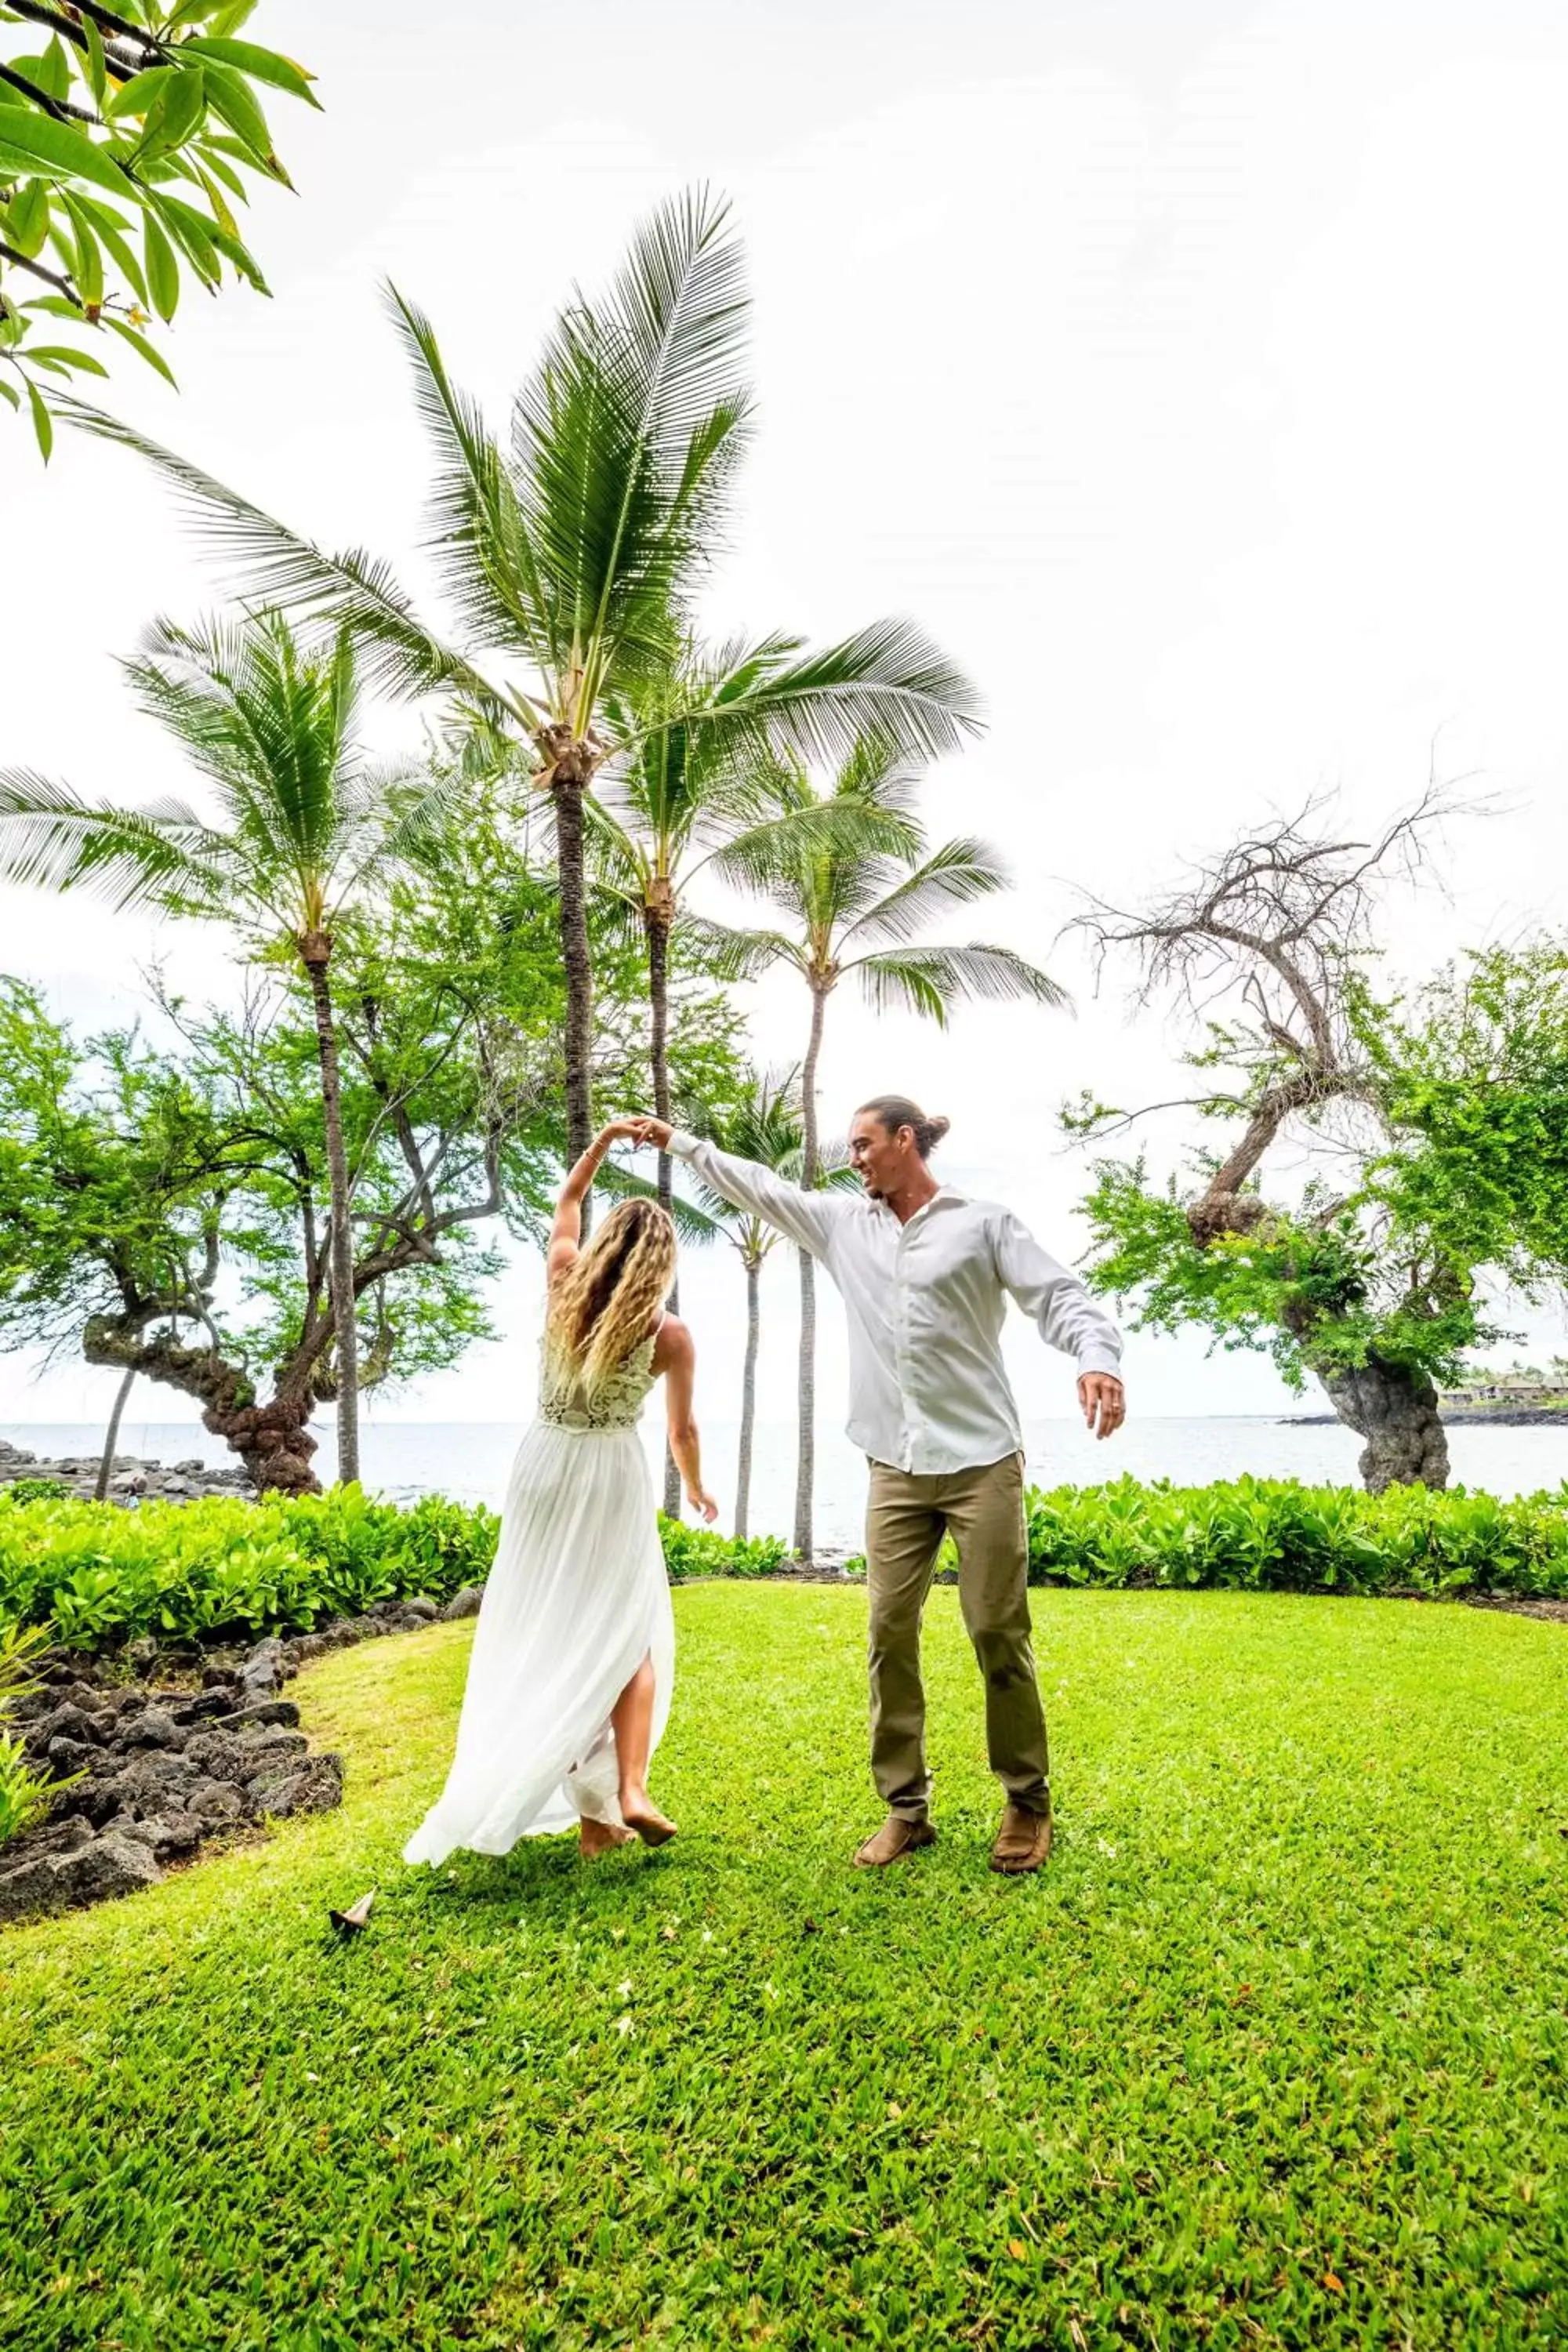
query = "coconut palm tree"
{"x": 306, "y": 830}
{"x": 765, "y": 1128}
{"x": 572, "y": 558}
{"x": 857, "y": 903}
{"x": 689, "y": 800}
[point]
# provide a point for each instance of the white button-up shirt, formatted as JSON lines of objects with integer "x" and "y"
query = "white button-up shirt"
{"x": 926, "y": 1302}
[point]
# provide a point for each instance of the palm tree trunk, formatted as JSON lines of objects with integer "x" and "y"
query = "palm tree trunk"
{"x": 315, "y": 951}
{"x": 748, "y": 1396}
{"x": 655, "y": 929}
{"x": 111, "y": 1435}
{"x": 805, "y": 1460}
{"x": 567, "y": 783}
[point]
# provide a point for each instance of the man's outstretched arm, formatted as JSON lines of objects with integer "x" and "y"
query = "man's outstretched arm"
{"x": 1068, "y": 1316}
{"x": 806, "y": 1218}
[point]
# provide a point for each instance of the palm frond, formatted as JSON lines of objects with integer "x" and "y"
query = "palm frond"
{"x": 735, "y": 955}
{"x": 886, "y": 685}
{"x": 159, "y": 855}
{"x": 279, "y": 566}
{"x": 955, "y": 875}
{"x": 841, "y": 832}
{"x": 479, "y": 535}
{"x": 932, "y": 980}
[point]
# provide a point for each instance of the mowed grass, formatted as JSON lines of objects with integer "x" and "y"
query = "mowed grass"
{"x": 1276, "y": 2053}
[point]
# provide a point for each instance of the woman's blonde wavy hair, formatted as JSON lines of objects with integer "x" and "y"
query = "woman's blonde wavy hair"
{"x": 607, "y": 1301}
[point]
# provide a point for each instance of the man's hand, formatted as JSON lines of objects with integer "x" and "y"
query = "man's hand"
{"x": 646, "y": 1130}
{"x": 1104, "y": 1401}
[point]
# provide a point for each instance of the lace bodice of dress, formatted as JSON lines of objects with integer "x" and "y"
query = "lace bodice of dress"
{"x": 618, "y": 1405}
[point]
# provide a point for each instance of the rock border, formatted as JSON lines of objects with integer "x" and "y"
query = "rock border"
{"x": 159, "y": 1771}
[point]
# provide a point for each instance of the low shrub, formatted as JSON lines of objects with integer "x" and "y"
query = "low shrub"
{"x": 704, "y": 1551}
{"x": 223, "y": 1569}
{"x": 39, "y": 1490}
{"x": 1278, "y": 1535}
{"x": 1274, "y": 1534}
{"x": 25, "y": 1795}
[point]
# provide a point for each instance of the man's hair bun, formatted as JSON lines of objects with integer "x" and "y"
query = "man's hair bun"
{"x": 893, "y": 1111}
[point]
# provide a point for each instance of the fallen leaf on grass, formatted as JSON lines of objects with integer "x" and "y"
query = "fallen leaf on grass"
{"x": 350, "y": 1922}
{"x": 1017, "y": 2249}
{"x": 1335, "y": 2286}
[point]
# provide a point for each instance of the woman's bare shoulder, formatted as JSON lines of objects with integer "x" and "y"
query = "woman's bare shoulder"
{"x": 674, "y": 1345}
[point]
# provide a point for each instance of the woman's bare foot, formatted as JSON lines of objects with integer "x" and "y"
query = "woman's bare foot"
{"x": 598, "y": 1837}
{"x": 640, "y": 1814}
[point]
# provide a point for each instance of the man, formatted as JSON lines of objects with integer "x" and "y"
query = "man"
{"x": 925, "y": 1272}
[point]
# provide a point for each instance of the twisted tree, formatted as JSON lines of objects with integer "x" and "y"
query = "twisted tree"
{"x": 1365, "y": 1283}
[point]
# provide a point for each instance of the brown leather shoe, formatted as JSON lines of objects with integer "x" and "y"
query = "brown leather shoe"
{"x": 1023, "y": 1841}
{"x": 895, "y": 1839}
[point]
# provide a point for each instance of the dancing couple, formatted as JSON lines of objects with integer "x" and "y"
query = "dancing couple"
{"x": 571, "y": 1676}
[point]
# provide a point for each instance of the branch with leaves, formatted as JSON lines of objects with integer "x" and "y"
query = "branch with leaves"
{"x": 126, "y": 144}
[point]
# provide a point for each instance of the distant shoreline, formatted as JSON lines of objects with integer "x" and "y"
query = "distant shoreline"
{"x": 1505, "y": 1416}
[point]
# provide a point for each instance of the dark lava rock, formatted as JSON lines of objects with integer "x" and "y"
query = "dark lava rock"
{"x": 142, "y": 1657}
{"x": 215, "y": 1803}
{"x": 463, "y": 1603}
{"x": 169, "y": 1836}
{"x": 421, "y": 1605}
{"x": 30, "y": 1890}
{"x": 153, "y": 1727}
{"x": 112, "y": 1864}
{"x": 69, "y": 1722}
{"x": 315, "y": 1788}
{"x": 144, "y": 1785}
{"x": 271, "y": 1710}
{"x": 266, "y": 1750}
{"x": 215, "y": 1753}
{"x": 71, "y": 1756}
{"x": 203, "y": 1706}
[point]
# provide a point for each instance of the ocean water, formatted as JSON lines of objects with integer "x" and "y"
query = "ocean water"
{"x": 471, "y": 1459}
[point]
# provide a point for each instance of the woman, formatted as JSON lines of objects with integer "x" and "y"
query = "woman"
{"x": 569, "y": 1683}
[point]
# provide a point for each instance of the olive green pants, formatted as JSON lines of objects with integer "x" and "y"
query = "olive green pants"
{"x": 906, "y": 1518}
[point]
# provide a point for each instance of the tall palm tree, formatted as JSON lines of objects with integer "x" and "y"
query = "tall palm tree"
{"x": 687, "y": 800}
{"x": 765, "y": 1128}
{"x": 573, "y": 557}
{"x": 306, "y": 829}
{"x": 857, "y": 903}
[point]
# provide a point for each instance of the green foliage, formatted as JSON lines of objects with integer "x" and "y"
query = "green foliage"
{"x": 1456, "y": 1169}
{"x": 126, "y": 141}
{"x": 1278, "y": 1535}
{"x": 1271, "y": 2057}
{"x": 704, "y": 1551}
{"x": 223, "y": 1569}
{"x": 39, "y": 1490}
{"x": 25, "y": 1795}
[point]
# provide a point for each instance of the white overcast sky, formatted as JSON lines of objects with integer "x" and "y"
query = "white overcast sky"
{"x": 1197, "y": 374}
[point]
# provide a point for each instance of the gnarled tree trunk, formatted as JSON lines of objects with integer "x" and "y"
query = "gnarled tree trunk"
{"x": 272, "y": 1440}
{"x": 570, "y": 773}
{"x": 1394, "y": 1408}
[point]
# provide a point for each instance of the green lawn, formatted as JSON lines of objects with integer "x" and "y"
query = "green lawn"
{"x": 1276, "y": 2053}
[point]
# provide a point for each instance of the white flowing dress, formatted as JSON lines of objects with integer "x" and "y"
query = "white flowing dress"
{"x": 577, "y": 1598}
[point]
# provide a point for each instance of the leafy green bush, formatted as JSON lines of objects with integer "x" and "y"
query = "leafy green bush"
{"x": 39, "y": 1490}
{"x": 223, "y": 1569}
{"x": 1269, "y": 1535}
{"x": 24, "y": 1795}
{"x": 226, "y": 1569}
{"x": 702, "y": 1551}
{"x": 1278, "y": 1535}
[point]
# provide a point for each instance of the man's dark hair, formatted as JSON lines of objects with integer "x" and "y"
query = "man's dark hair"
{"x": 893, "y": 1111}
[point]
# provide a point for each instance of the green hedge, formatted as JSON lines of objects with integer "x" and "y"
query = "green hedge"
{"x": 224, "y": 1568}
{"x": 1272, "y": 1535}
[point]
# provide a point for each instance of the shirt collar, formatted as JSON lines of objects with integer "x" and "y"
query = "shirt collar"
{"x": 946, "y": 1196}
